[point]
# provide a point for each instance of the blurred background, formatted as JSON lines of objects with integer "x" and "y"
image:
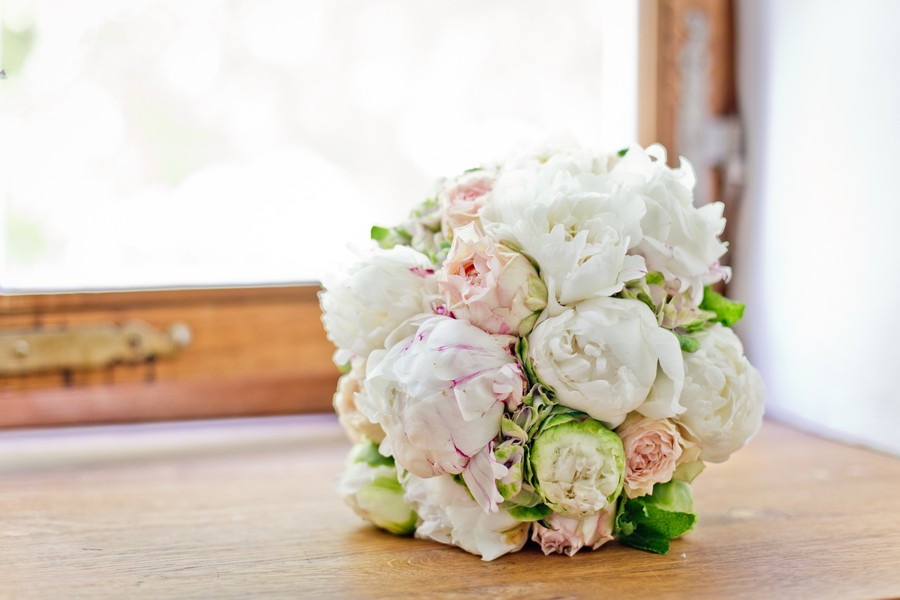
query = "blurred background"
{"x": 161, "y": 144}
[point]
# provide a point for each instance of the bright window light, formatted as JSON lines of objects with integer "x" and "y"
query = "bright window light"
{"x": 160, "y": 143}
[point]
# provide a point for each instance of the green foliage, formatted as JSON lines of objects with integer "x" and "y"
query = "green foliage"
{"x": 530, "y": 513}
{"x": 380, "y": 234}
{"x": 728, "y": 312}
{"x": 16, "y": 48}
{"x": 369, "y": 454}
{"x": 655, "y": 278}
{"x": 688, "y": 344}
{"x": 649, "y": 522}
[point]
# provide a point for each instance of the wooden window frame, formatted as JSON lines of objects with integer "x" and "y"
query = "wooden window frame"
{"x": 262, "y": 350}
{"x": 254, "y": 351}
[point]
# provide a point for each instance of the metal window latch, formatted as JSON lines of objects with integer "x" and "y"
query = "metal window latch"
{"x": 79, "y": 348}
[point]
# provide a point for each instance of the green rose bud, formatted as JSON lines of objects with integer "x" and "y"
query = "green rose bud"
{"x": 369, "y": 485}
{"x": 578, "y": 464}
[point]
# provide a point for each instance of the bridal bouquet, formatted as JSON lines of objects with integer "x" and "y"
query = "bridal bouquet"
{"x": 537, "y": 352}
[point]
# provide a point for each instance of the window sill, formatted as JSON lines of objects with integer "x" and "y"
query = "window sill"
{"x": 248, "y": 507}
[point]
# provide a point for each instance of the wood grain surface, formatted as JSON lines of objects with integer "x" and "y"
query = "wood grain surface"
{"x": 205, "y": 511}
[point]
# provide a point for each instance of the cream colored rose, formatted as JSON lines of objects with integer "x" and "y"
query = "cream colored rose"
{"x": 653, "y": 450}
{"x": 562, "y": 535}
{"x": 357, "y": 426}
{"x": 463, "y": 198}
{"x": 489, "y": 285}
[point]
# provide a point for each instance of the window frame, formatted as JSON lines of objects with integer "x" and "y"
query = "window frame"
{"x": 254, "y": 351}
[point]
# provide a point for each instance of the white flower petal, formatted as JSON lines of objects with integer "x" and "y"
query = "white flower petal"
{"x": 723, "y": 395}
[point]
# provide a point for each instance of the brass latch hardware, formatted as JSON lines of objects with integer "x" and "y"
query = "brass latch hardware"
{"x": 85, "y": 347}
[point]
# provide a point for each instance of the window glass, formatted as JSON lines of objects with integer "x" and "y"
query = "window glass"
{"x": 209, "y": 142}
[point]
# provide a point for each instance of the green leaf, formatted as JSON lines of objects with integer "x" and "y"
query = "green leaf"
{"x": 632, "y": 532}
{"x": 345, "y": 368}
{"x": 536, "y": 406}
{"x": 695, "y": 326}
{"x": 509, "y": 429}
{"x": 655, "y": 278}
{"x": 380, "y": 234}
{"x": 649, "y": 522}
{"x": 525, "y": 361}
{"x": 646, "y": 299}
{"x": 527, "y": 497}
{"x": 368, "y": 453}
{"x": 622, "y": 152}
{"x": 530, "y": 513}
{"x": 728, "y": 312}
{"x": 388, "y": 237}
{"x": 688, "y": 344}
{"x": 560, "y": 415}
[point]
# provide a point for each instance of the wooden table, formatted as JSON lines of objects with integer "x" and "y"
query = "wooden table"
{"x": 238, "y": 509}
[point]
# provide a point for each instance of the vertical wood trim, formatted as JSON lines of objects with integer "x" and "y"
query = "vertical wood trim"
{"x": 671, "y": 35}
{"x": 648, "y": 31}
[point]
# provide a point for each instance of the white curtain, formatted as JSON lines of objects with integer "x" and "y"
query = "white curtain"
{"x": 818, "y": 253}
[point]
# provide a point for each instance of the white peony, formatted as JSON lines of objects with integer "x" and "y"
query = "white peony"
{"x": 603, "y": 356}
{"x": 560, "y": 153}
{"x": 375, "y": 297}
{"x": 439, "y": 396}
{"x": 575, "y": 223}
{"x": 678, "y": 239}
{"x": 447, "y": 514}
{"x": 723, "y": 394}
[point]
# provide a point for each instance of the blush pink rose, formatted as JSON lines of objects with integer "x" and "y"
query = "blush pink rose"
{"x": 653, "y": 450}
{"x": 562, "y": 535}
{"x": 489, "y": 285}
{"x": 462, "y": 199}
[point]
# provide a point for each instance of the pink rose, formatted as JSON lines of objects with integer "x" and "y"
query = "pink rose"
{"x": 463, "y": 198}
{"x": 563, "y": 535}
{"x": 489, "y": 285}
{"x": 653, "y": 450}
